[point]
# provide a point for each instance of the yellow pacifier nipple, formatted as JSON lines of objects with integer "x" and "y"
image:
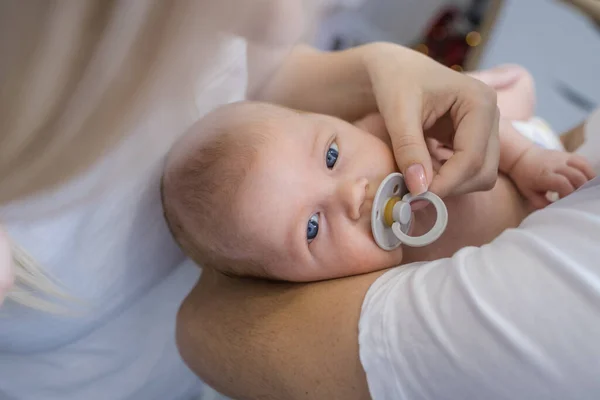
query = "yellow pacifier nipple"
{"x": 388, "y": 211}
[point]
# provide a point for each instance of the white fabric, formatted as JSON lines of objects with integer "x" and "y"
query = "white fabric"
{"x": 103, "y": 236}
{"x": 114, "y": 252}
{"x": 516, "y": 319}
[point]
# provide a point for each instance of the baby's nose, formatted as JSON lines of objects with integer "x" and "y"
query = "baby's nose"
{"x": 352, "y": 194}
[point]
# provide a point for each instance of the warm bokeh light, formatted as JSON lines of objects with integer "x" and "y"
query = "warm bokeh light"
{"x": 473, "y": 39}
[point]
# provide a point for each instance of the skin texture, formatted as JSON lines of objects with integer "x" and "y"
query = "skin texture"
{"x": 347, "y": 84}
{"x": 290, "y": 182}
{"x": 473, "y": 218}
{"x": 515, "y": 90}
{"x": 295, "y": 341}
{"x": 417, "y": 98}
{"x": 302, "y": 339}
{"x": 534, "y": 170}
{"x": 252, "y": 339}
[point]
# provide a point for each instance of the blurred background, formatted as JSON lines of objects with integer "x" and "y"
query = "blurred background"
{"x": 557, "y": 41}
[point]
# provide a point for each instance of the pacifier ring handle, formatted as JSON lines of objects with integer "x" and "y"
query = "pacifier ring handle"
{"x": 435, "y": 232}
{"x": 391, "y": 215}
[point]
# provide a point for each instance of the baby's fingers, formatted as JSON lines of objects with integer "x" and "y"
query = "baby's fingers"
{"x": 554, "y": 182}
{"x": 582, "y": 164}
{"x": 574, "y": 175}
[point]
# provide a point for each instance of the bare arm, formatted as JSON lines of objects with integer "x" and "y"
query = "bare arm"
{"x": 253, "y": 339}
{"x": 328, "y": 83}
{"x": 259, "y": 340}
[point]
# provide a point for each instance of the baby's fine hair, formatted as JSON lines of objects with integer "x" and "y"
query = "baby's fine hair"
{"x": 200, "y": 187}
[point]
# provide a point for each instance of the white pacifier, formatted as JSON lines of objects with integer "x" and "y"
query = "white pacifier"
{"x": 391, "y": 215}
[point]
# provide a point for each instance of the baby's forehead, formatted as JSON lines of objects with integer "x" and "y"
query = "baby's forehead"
{"x": 273, "y": 137}
{"x": 275, "y": 123}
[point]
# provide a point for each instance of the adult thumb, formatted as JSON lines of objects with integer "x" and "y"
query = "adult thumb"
{"x": 410, "y": 149}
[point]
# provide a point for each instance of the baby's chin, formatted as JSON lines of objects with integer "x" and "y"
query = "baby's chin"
{"x": 378, "y": 258}
{"x": 392, "y": 258}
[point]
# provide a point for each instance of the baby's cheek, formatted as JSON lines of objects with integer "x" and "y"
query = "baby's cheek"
{"x": 368, "y": 257}
{"x": 388, "y": 259}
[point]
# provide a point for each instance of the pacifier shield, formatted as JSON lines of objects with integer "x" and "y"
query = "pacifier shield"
{"x": 392, "y": 186}
{"x": 390, "y": 237}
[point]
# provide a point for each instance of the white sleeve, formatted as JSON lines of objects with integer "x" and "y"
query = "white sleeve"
{"x": 516, "y": 319}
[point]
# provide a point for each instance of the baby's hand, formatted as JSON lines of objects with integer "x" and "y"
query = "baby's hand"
{"x": 540, "y": 171}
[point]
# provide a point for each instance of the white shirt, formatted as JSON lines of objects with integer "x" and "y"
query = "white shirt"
{"x": 103, "y": 235}
{"x": 113, "y": 251}
{"x": 516, "y": 319}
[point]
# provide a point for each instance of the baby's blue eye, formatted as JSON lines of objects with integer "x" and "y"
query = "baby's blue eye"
{"x": 312, "y": 228}
{"x": 332, "y": 155}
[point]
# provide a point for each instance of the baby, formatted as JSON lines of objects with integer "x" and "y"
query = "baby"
{"x": 258, "y": 190}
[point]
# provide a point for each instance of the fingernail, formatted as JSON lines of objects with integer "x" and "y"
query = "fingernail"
{"x": 415, "y": 179}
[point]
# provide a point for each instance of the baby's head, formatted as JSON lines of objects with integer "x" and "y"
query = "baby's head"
{"x": 259, "y": 190}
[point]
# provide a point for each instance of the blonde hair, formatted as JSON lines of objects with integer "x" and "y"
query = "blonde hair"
{"x": 31, "y": 284}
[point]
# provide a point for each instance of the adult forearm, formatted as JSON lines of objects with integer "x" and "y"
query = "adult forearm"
{"x": 335, "y": 83}
{"x": 251, "y": 339}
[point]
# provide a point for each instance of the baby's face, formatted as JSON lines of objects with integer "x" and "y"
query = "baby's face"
{"x": 308, "y": 199}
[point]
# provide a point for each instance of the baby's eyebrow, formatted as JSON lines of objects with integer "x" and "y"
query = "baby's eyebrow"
{"x": 315, "y": 146}
{"x": 321, "y": 130}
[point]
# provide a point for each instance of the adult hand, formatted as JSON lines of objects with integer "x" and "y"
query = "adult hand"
{"x": 420, "y": 98}
{"x": 6, "y": 270}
